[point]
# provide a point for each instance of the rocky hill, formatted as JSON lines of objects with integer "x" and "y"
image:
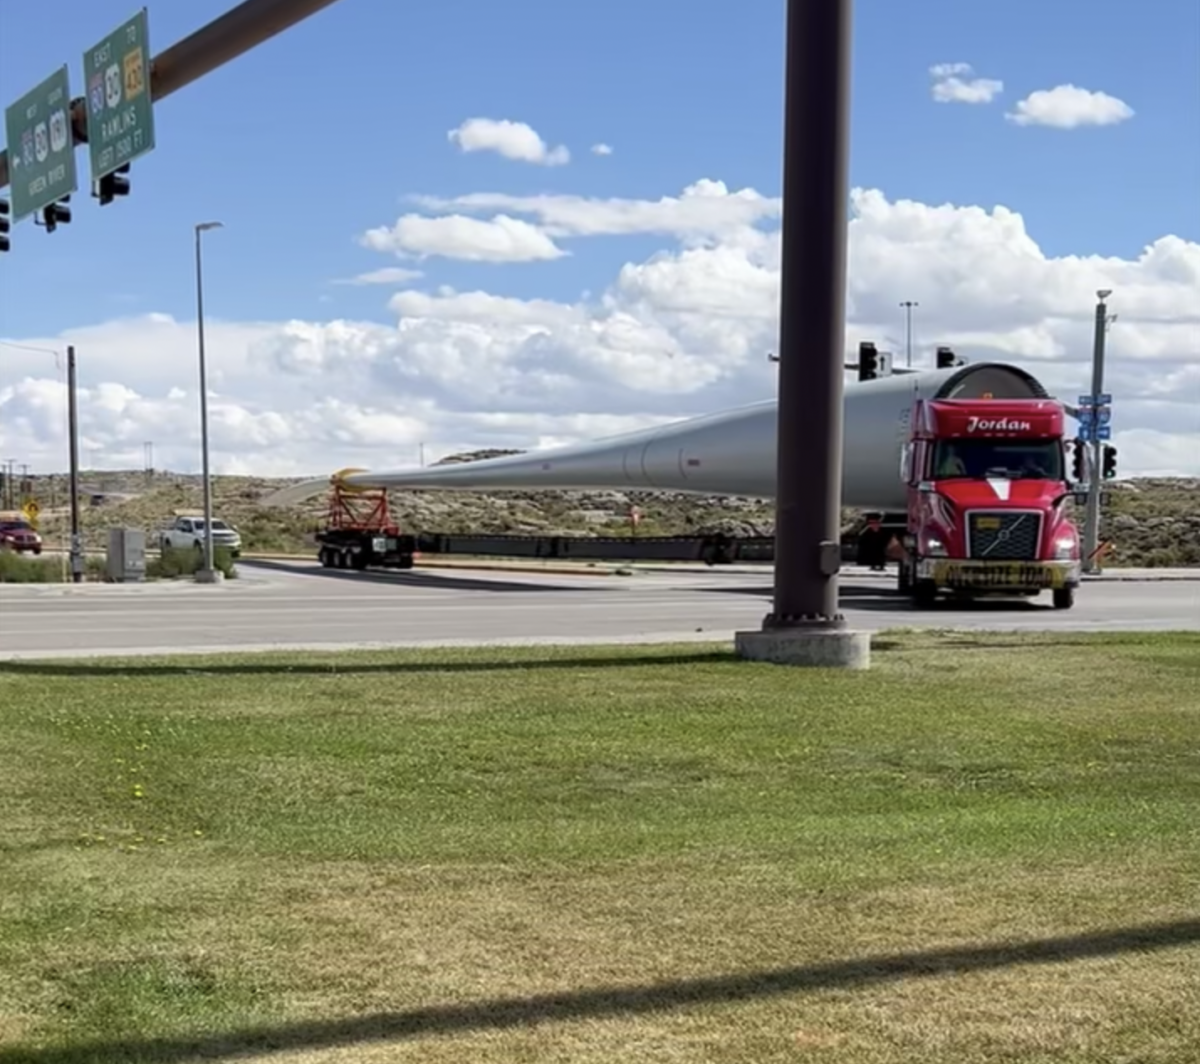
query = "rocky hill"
{"x": 1153, "y": 522}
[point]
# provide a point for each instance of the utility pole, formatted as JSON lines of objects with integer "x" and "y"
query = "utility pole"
{"x": 1091, "y": 527}
{"x": 9, "y": 466}
{"x": 207, "y": 574}
{"x": 908, "y": 305}
{"x": 804, "y": 626}
{"x": 148, "y": 458}
{"x": 73, "y": 447}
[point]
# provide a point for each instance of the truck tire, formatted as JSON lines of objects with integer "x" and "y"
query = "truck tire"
{"x": 903, "y": 578}
{"x": 924, "y": 594}
{"x": 1064, "y": 598}
{"x": 323, "y": 556}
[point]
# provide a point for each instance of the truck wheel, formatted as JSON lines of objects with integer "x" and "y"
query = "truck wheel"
{"x": 924, "y": 594}
{"x": 1064, "y": 598}
{"x": 323, "y": 557}
{"x": 405, "y": 562}
{"x": 903, "y": 579}
{"x": 358, "y": 561}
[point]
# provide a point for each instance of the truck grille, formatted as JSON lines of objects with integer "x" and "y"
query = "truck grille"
{"x": 1003, "y": 535}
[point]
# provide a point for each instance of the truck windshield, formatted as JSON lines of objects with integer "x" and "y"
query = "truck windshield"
{"x": 1017, "y": 459}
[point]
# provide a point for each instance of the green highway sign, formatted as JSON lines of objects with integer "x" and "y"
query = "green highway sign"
{"x": 41, "y": 148}
{"x": 116, "y": 78}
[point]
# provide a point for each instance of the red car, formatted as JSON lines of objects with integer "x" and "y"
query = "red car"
{"x": 17, "y": 534}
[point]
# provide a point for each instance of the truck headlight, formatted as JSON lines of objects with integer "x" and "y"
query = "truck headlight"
{"x": 1066, "y": 548}
{"x": 934, "y": 547}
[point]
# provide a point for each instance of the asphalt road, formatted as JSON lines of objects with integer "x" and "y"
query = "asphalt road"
{"x": 280, "y": 605}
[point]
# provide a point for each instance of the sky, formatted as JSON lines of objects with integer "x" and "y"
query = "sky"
{"x": 471, "y": 224}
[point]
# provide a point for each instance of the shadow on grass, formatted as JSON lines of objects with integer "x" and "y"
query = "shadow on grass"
{"x": 251, "y": 665}
{"x": 600, "y": 1003}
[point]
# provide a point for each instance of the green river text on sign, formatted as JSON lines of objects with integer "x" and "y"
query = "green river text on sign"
{"x": 41, "y": 148}
{"x": 120, "y": 115}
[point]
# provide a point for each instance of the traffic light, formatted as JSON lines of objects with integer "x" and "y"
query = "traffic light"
{"x": 112, "y": 185}
{"x": 1109, "y": 461}
{"x": 56, "y": 214}
{"x": 945, "y": 358}
{"x": 868, "y": 361}
{"x": 5, "y": 225}
{"x": 1078, "y": 458}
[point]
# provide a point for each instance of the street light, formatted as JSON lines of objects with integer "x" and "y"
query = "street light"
{"x": 908, "y": 305}
{"x": 207, "y": 573}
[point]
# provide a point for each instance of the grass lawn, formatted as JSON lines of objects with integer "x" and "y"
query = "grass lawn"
{"x": 987, "y": 848}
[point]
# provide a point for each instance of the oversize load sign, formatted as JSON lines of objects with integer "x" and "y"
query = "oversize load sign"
{"x": 41, "y": 149}
{"x": 120, "y": 116}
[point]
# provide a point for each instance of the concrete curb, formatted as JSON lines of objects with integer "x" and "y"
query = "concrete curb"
{"x": 633, "y": 567}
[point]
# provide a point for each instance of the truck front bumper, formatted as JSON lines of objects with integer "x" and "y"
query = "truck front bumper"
{"x": 957, "y": 575}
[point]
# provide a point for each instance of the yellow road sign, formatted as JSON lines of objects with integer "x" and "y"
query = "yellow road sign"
{"x": 31, "y": 510}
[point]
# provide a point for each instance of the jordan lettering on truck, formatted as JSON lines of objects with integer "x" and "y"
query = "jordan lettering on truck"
{"x": 1004, "y": 424}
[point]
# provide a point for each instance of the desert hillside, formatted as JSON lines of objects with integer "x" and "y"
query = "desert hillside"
{"x": 1152, "y": 522}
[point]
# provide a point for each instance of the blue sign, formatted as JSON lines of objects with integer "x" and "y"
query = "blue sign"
{"x": 1104, "y": 415}
{"x": 1104, "y": 432}
{"x": 1087, "y": 401}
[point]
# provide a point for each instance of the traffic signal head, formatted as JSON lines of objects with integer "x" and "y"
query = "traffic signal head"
{"x": 112, "y": 185}
{"x": 868, "y": 361}
{"x": 56, "y": 213}
{"x": 5, "y": 225}
{"x": 1110, "y": 461}
{"x": 1078, "y": 456}
{"x": 945, "y": 358}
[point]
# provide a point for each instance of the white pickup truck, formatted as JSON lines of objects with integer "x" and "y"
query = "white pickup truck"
{"x": 186, "y": 532}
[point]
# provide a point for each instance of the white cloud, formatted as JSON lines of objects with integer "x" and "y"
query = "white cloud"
{"x": 455, "y": 236}
{"x": 953, "y": 83}
{"x": 602, "y": 149}
{"x": 387, "y": 275}
{"x": 1068, "y": 107}
{"x": 705, "y": 210}
{"x": 682, "y": 332}
{"x": 514, "y": 140}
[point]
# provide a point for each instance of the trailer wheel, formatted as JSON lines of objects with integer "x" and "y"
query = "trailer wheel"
{"x": 1064, "y": 598}
{"x": 323, "y": 557}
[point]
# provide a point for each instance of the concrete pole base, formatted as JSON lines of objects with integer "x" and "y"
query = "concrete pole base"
{"x": 822, "y": 648}
{"x": 209, "y": 576}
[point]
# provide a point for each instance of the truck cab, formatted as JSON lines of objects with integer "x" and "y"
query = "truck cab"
{"x": 989, "y": 503}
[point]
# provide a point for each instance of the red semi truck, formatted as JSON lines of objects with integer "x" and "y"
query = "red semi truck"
{"x": 989, "y": 503}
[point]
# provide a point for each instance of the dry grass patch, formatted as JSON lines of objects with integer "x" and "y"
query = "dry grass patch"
{"x": 594, "y": 855}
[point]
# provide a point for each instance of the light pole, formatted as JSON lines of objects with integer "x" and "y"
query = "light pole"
{"x": 1091, "y": 526}
{"x": 207, "y": 573}
{"x": 908, "y": 305}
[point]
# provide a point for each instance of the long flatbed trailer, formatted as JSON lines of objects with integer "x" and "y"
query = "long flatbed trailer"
{"x": 360, "y": 533}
